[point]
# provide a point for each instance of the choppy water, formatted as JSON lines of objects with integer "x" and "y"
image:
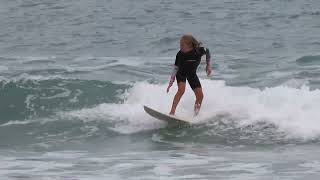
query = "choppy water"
{"x": 74, "y": 76}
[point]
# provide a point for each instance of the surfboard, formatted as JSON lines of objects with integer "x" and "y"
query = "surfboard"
{"x": 165, "y": 117}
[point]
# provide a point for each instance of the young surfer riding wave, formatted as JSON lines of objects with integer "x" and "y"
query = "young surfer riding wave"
{"x": 185, "y": 68}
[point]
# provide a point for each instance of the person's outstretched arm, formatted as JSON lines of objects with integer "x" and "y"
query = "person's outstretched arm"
{"x": 173, "y": 76}
{"x": 208, "y": 61}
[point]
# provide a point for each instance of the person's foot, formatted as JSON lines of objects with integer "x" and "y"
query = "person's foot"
{"x": 171, "y": 113}
{"x": 196, "y": 109}
{"x": 196, "y": 112}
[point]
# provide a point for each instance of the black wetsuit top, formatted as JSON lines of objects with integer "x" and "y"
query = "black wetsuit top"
{"x": 188, "y": 63}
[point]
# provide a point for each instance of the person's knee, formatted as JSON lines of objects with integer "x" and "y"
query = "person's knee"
{"x": 181, "y": 91}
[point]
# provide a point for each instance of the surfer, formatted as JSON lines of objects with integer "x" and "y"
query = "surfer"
{"x": 185, "y": 68}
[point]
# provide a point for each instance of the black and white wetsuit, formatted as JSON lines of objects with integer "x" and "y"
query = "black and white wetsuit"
{"x": 186, "y": 65}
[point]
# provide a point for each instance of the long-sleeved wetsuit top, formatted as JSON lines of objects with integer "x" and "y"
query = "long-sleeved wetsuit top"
{"x": 188, "y": 62}
{"x": 186, "y": 65}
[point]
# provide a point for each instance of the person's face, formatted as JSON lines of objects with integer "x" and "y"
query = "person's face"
{"x": 184, "y": 45}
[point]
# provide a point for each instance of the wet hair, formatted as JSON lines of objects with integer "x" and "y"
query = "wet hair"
{"x": 190, "y": 40}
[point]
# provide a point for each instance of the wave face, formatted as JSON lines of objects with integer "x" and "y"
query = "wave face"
{"x": 25, "y": 99}
{"x": 47, "y": 111}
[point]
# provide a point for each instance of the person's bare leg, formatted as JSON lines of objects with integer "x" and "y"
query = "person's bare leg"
{"x": 199, "y": 97}
{"x": 177, "y": 97}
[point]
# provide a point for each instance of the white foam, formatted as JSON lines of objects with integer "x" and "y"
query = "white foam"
{"x": 29, "y": 58}
{"x": 162, "y": 170}
{"x": 27, "y": 77}
{"x": 17, "y": 122}
{"x": 28, "y": 121}
{"x": 296, "y": 83}
{"x": 127, "y": 118}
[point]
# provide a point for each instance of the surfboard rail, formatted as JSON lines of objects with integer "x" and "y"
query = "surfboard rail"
{"x": 164, "y": 117}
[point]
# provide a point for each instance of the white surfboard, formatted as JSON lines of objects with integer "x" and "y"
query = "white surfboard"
{"x": 165, "y": 117}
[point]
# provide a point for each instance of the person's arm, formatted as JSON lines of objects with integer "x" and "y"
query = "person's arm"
{"x": 208, "y": 61}
{"x": 173, "y": 73}
{"x": 173, "y": 76}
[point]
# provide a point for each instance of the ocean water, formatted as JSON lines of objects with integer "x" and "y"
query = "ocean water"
{"x": 74, "y": 76}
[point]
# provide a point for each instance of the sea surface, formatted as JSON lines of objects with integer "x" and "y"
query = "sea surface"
{"x": 75, "y": 74}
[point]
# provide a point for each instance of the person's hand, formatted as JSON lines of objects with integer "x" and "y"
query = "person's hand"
{"x": 208, "y": 70}
{"x": 168, "y": 88}
{"x": 170, "y": 83}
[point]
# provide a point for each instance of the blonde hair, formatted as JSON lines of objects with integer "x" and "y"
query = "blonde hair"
{"x": 190, "y": 40}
